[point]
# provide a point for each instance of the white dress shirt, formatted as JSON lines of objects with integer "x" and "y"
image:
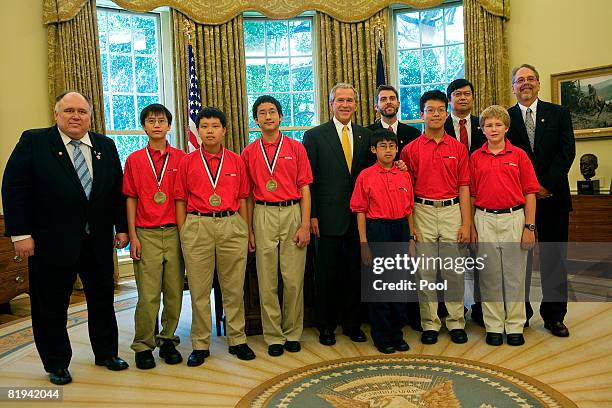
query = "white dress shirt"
{"x": 468, "y": 126}
{"x": 393, "y": 126}
{"x": 534, "y": 108}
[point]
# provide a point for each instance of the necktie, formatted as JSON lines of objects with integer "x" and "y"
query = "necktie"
{"x": 463, "y": 135}
{"x": 346, "y": 147}
{"x": 81, "y": 167}
{"x": 530, "y": 125}
{"x": 390, "y": 129}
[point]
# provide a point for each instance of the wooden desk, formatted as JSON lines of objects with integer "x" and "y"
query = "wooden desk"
{"x": 590, "y": 221}
{"x": 13, "y": 272}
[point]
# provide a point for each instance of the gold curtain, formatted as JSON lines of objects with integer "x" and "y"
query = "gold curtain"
{"x": 486, "y": 56}
{"x": 74, "y": 60}
{"x": 348, "y": 54}
{"x": 220, "y": 65}
{"x": 218, "y": 12}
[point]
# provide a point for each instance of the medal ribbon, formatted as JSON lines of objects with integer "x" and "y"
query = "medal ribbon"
{"x": 215, "y": 180}
{"x": 276, "y": 153}
{"x": 159, "y": 178}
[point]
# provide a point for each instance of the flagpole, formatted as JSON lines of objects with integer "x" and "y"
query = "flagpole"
{"x": 194, "y": 104}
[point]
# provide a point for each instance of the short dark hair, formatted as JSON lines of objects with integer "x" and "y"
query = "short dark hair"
{"x": 382, "y": 135}
{"x": 433, "y": 95}
{"x": 211, "y": 112}
{"x": 267, "y": 99}
{"x": 155, "y": 109}
{"x": 384, "y": 87}
{"x": 456, "y": 84}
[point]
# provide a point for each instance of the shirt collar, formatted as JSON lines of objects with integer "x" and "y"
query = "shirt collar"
{"x": 457, "y": 118}
{"x": 533, "y": 106}
{"x": 381, "y": 169}
{"x": 86, "y": 140}
{"x": 508, "y": 148}
{"x": 209, "y": 156}
{"x": 274, "y": 143}
{"x": 340, "y": 125}
{"x": 155, "y": 152}
{"x": 387, "y": 126}
{"x": 430, "y": 139}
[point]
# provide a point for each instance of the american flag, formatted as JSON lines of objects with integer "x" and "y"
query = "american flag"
{"x": 194, "y": 102}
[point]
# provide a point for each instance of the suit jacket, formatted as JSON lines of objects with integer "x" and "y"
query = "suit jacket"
{"x": 478, "y": 138}
{"x": 554, "y": 148}
{"x": 405, "y": 134}
{"x": 43, "y": 197}
{"x": 332, "y": 185}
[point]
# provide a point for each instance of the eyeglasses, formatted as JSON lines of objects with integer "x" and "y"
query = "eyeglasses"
{"x": 153, "y": 121}
{"x": 529, "y": 79}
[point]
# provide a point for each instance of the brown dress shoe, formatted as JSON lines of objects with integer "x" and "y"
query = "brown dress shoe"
{"x": 557, "y": 329}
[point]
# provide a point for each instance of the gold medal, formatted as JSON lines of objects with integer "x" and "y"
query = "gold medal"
{"x": 271, "y": 185}
{"x": 214, "y": 200}
{"x": 159, "y": 197}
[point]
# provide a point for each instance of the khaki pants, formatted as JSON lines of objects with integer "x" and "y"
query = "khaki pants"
{"x": 439, "y": 225}
{"x": 160, "y": 270}
{"x": 502, "y": 281}
{"x": 206, "y": 242}
{"x": 274, "y": 229}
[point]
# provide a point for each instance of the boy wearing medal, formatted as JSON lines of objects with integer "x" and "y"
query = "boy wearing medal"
{"x": 279, "y": 224}
{"x": 211, "y": 212}
{"x": 503, "y": 187}
{"x": 148, "y": 183}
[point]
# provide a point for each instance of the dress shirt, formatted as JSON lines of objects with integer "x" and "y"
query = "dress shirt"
{"x": 393, "y": 126}
{"x": 468, "y": 126}
{"x": 534, "y": 108}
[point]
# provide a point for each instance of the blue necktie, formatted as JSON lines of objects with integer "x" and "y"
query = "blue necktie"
{"x": 81, "y": 167}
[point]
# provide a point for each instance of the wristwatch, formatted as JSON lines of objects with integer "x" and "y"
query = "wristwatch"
{"x": 412, "y": 237}
{"x": 530, "y": 227}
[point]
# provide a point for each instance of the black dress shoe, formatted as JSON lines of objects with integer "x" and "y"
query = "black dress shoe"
{"x": 557, "y": 328}
{"x": 401, "y": 346}
{"x": 515, "y": 339}
{"x": 144, "y": 360}
{"x": 196, "y": 358}
{"x": 429, "y": 337}
{"x": 327, "y": 337}
{"x": 385, "y": 348}
{"x": 242, "y": 351}
{"x": 356, "y": 335}
{"x": 458, "y": 336}
{"x": 169, "y": 353}
{"x": 113, "y": 363}
{"x": 60, "y": 376}
{"x": 275, "y": 350}
{"x": 292, "y": 346}
{"x": 495, "y": 339}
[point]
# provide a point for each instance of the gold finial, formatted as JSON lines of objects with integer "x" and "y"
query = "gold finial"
{"x": 378, "y": 25}
{"x": 188, "y": 29}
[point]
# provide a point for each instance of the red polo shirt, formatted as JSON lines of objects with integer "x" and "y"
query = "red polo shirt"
{"x": 501, "y": 180}
{"x": 383, "y": 193}
{"x": 291, "y": 173}
{"x": 438, "y": 169}
{"x": 139, "y": 182}
{"x": 193, "y": 184}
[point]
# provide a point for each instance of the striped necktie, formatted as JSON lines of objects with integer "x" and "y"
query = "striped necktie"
{"x": 530, "y": 126}
{"x": 81, "y": 167}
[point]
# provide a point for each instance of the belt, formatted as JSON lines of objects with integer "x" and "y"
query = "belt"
{"x": 501, "y": 211}
{"x": 287, "y": 203}
{"x": 160, "y": 226}
{"x": 438, "y": 203}
{"x": 213, "y": 214}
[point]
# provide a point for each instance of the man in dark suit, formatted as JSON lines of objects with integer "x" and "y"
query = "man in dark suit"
{"x": 387, "y": 103}
{"x": 461, "y": 124}
{"x": 338, "y": 150}
{"x": 544, "y": 130}
{"x": 465, "y": 127}
{"x": 62, "y": 205}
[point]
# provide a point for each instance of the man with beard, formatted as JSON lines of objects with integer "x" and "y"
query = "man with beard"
{"x": 387, "y": 104}
{"x": 544, "y": 130}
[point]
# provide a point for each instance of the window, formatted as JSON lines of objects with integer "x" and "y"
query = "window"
{"x": 430, "y": 53}
{"x": 132, "y": 74}
{"x": 279, "y": 62}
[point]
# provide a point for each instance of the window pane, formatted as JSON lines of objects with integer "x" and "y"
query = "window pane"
{"x": 121, "y": 73}
{"x": 253, "y": 136}
{"x": 104, "y": 67}
{"x": 285, "y": 101}
{"x": 145, "y": 33}
{"x": 431, "y": 87}
{"x": 295, "y": 134}
{"x": 277, "y": 40}
{"x": 256, "y": 75}
{"x": 303, "y": 109}
{"x": 254, "y": 38}
{"x": 409, "y": 99}
{"x": 126, "y": 144}
{"x": 124, "y": 114}
{"x": 102, "y": 31}
{"x": 455, "y": 62}
{"x": 433, "y": 65}
{"x": 408, "y": 34}
{"x": 432, "y": 28}
{"x": 278, "y": 74}
{"x": 146, "y": 75}
{"x": 301, "y": 37}
{"x": 120, "y": 34}
{"x": 409, "y": 67}
{"x": 453, "y": 17}
{"x": 302, "y": 78}
{"x": 252, "y": 98}
{"x": 144, "y": 101}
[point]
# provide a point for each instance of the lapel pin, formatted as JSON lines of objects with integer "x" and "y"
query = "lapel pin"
{"x": 60, "y": 153}
{"x": 542, "y": 120}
